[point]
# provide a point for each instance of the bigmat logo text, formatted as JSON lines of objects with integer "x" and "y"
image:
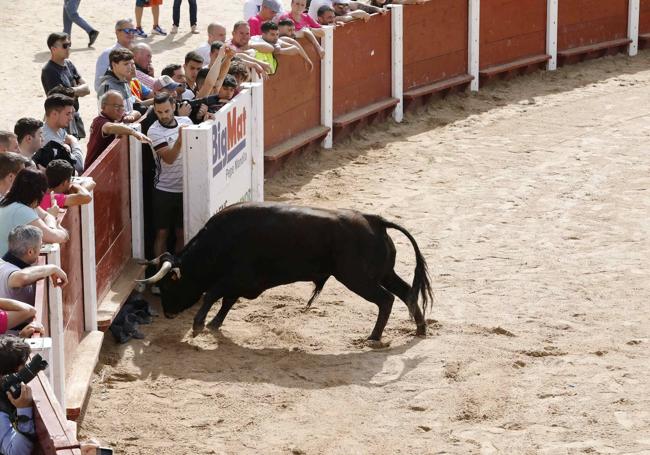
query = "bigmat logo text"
{"x": 228, "y": 140}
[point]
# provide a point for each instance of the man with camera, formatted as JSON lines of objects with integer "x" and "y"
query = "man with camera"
{"x": 16, "y": 419}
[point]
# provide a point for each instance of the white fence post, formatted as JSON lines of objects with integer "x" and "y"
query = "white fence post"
{"x": 551, "y": 33}
{"x": 88, "y": 265}
{"x": 257, "y": 150}
{"x": 397, "y": 59}
{"x": 633, "y": 12}
{"x": 137, "y": 205}
{"x": 473, "y": 47}
{"x": 56, "y": 326}
{"x": 43, "y": 346}
{"x": 327, "y": 85}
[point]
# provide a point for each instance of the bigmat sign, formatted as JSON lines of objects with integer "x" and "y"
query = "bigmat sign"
{"x": 218, "y": 162}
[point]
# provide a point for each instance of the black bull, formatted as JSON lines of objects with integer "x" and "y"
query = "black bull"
{"x": 251, "y": 247}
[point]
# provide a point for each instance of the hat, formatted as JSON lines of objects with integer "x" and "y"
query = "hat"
{"x": 273, "y": 5}
{"x": 165, "y": 82}
{"x": 340, "y": 2}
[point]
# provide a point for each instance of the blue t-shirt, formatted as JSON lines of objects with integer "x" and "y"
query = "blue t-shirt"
{"x": 15, "y": 214}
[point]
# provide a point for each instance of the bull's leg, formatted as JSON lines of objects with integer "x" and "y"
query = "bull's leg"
{"x": 226, "y": 305}
{"x": 208, "y": 300}
{"x": 393, "y": 283}
{"x": 381, "y": 297}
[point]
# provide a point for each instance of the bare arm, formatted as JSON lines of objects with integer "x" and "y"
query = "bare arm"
{"x": 261, "y": 46}
{"x": 311, "y": 37}
{"x": 120, "y": 129}
{"x": 355, "y": 6}
{"x": 79, "y": 196}
{"x": 215, "y": 71}
{"x": 13, "y": 305}
{"x": 169, "y": 155}
{"x": 55, "y": 234}
{"x": 82, "y": 89}
{"x": 29, "y": 275}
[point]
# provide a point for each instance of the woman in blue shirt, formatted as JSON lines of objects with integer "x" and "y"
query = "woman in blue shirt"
{"x": 20, "y": 206}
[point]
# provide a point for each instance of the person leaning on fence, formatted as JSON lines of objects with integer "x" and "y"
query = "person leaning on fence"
{"x": 29, "y": 132}
{"x": 60, "y": 71}
{"x": 166, "y": 137}
{"x": 16, "y": 419}
{"x": 326, "y": 15}
{"x": 110, "y": 123}
{"x": 345, "y": 14}
{"x": 125, "y": 34}
{"x": 16, "y": 318}
{"x": 288, "y": 46}
{"x": 20, "y": 207}
{"x": 8, "y": 142}
{"x": 298, "y": 24}
{"x": 10, "y": 165}
{"x": 18, "y": 274}
{"x": 61, "y": 191}
{"x": 269, "y": 9}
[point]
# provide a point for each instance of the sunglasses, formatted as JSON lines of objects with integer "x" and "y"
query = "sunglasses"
{"x": 65, "y": 45}
{"x": 128, "y": 31}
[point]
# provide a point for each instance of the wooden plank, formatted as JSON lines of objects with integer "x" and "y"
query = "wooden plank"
{"x": 117, "y": 294}
{"x": 285, "y": 148}
{"x": 594, "y": 48}
{"x": 438, "y": 86}
{"x": 366, "y": 111}
{"x": 521, "y": 63}
{"x": 81, "y": 373}
{"x": 53, "y": 431}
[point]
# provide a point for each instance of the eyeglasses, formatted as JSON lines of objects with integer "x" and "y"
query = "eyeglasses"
{"x": 119, "y": 107}
{"x": 128, "y": 31}
{"x": 65, "y": 45}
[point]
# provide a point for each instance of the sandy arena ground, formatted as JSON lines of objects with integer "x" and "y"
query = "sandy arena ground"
{"x": 529, "y": 201}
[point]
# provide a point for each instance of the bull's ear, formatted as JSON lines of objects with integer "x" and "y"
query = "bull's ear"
{"x": 176, "y": 274}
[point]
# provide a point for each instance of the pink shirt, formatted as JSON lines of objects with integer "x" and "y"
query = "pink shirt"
{"x": 46, "y": 202}
{"x": 255, "y": 24}
{"x": 305, "y": 21}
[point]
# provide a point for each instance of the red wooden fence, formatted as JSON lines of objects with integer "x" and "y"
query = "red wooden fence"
{"x": 644, "y": 24}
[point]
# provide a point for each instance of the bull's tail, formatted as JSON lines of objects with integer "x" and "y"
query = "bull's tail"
{"x": 421, "y": 280}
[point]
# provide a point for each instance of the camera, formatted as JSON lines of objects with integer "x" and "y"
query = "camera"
{"x": 208, "y": 101}
{"x": 11, "y": 382}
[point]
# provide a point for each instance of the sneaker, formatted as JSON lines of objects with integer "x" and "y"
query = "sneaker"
{"x": 174, "y": 29}
{"x": 194, "y": 30}
{"x": 139, "y": 32}
{"x": 155, "y": 290}
{"x": 158, "y": 31}
{"x": 92, "y": 37}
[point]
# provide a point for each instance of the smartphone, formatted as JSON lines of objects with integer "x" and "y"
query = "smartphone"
{"x": 104, "y": 451}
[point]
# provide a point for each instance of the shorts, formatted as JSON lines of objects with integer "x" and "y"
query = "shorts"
{"x": 167, "y": 210}
{"x": 146, "y": 3}
{"x": 4, "y": 322}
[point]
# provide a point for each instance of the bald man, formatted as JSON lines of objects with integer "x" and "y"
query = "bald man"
{"x": 216, "y": 32}
{"x": 143, "y": 68}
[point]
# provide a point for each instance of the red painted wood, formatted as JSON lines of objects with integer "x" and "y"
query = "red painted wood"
{"x": 644, "y": 18}
{"x": 73, "y": 296}
{"x": 511, "y": 30}
{"x": 435, "y": 42}
{"x": 52, "y": 428}
{"x": 362, "y": 64}
{"x": 112, "y": 213}
{"x": 585, "y": 22}
{"x": 293, "y": 92}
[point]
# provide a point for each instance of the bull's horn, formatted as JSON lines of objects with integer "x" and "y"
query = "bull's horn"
{"x": 164, "y": 270}
{"x": 177, "y": 271}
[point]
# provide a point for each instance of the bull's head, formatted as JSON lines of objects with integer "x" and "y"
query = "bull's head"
{"x": 177, "y": 293}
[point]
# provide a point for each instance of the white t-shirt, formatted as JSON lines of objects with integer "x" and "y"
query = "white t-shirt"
{"x": 315, "y": 5}
{"x": 204, "y": 51}
{"x": 169, "y": 177}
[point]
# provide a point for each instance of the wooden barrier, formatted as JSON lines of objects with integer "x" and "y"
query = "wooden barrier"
{"x": 293, "y": 92}
{"x": 435, "y": 49}
{"x": 112, "y": 213}
{"x": 512, "y": 37}
{"x": 589, "y": 28}
{"x": 644, "y": 24}
{"x": 362, "y": 71}
{"x": 73, "y": 295}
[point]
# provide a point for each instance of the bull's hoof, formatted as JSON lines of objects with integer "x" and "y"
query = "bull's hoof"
{"x": 377, "y": 344}
{"x": 196, "y": 329}
{"x": 421, "y": 331}
{"x": 214, "y": 326}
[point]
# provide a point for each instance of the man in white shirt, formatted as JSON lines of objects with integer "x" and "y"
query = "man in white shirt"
{"x": 125, "y": 33}
{"x": 216, "y": 32}
{"x": 165, "y": 135}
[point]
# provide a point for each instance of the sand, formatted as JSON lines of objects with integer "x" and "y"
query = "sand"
{"x": 529, "y": 201}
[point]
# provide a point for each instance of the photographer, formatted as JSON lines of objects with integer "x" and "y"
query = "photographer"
{"x": 16, "y": 419}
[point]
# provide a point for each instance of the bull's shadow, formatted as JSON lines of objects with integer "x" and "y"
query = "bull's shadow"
{"x": 223, "y": 360}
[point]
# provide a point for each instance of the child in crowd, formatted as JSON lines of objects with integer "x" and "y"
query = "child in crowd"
{"x": 61, "y": 192}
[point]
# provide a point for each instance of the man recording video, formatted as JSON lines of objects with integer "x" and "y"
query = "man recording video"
{"x": 16, "y": 420}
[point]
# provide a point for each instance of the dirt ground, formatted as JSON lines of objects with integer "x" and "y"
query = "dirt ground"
{"x": 530, "y": 202}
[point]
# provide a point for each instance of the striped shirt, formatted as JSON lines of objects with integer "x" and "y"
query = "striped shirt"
{"x": 169, "y": 177}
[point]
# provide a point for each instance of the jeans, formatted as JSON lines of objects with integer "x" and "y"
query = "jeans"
{"x": 71, "y": 15}
{"x": 176, "y": 13}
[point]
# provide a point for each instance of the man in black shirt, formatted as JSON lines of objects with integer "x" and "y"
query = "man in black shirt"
{"x": 60, "y": 71}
